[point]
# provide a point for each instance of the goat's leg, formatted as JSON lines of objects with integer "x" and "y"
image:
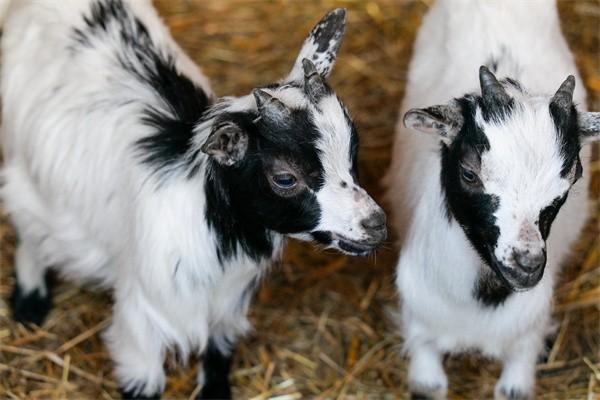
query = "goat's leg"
{"x": 214, "y": 376}
{"x": 518, "y": 373}
{"x": 427, "y": 379}
{"x": 31, "y": 297}
{"x": 137, "y": 350}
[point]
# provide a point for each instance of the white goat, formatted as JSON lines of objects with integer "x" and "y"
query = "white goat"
{"x": 475, "y": 198}
{"x": 122, "y": 169}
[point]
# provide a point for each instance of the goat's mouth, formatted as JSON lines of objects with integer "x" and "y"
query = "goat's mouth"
{"x": 355, "y": 247}
{"x": 515, "y": 278}
{"x": 346, "y": 245}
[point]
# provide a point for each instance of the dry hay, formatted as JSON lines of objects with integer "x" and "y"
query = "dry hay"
{"x": 321, "y": 318}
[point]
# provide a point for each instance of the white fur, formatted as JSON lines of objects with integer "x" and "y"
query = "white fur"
{"x": 438, "y": 267}
{"x": 82, "y": 202}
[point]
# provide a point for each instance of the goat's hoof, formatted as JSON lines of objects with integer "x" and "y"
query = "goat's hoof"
{"x": 131, "y": 395}
{"x": 215, "y": 392}
{"x": 512, "y": 394}
{"x": 30, "y": 308}
{"x": 426, "y": 392}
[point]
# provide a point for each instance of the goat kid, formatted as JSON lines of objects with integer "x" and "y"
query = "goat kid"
{"x": 121, "y": 168}
{"x": 477, "y": 196}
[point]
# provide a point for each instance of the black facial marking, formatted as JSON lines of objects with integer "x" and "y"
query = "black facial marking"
{"x": 548, "y": 214}
{"x": 216, "y": 366}
{"x": 490, "y": 290}
{"x": 242, "y": 207}
{"x": 497, "y": 112}
{"x": 343, "y": 184}
{"x": 469, "y": 205}
{"x": 568, "y": 135}
{"x": 178, "y": 102}
{"x": 354, "y": 142}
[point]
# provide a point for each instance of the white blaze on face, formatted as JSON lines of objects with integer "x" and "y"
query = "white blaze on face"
{"x": 343, "y": 203}
{"x": 522, "y": 170}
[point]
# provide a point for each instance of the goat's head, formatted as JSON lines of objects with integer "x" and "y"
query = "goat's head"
{"x": 509, "y": 159}
{"x": 291, "y": 148}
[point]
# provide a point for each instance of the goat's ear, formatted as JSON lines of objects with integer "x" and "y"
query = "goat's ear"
{"x": 322, "y": 45}
{"x": 443, "y": 120}
{"x": 589, "y": 126}
{"x": 227, "y": 143}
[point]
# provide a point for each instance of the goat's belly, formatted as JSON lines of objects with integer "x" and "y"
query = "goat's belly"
{"x": 60, "y": 237}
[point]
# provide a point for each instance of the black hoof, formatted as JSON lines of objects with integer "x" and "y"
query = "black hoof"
{"x": 31, "y": 308}
{"x": 131, "y": 395}
{"x": 419, "y": 396}
{"x": 215, "y": 392}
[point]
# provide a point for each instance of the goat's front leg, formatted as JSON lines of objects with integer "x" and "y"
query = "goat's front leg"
{"x": 214, "y": 375}
{"x": 427, "y": 379}
{"x": 136, "y": 349}
{"x": 518, "y": 373}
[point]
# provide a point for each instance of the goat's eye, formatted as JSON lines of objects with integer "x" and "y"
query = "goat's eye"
{"x": 469, "y": 176}
{"x": 285, "y": 180}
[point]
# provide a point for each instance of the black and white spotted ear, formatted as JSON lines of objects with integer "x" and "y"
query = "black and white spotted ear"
{"x": 227, "y": 143}
{"x": 322, "y": 45}
{"x": 443, "y": 120}
{"x": 589, "y": 126}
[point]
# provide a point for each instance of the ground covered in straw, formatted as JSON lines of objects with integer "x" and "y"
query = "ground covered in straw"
{"x": 321, "y": 319}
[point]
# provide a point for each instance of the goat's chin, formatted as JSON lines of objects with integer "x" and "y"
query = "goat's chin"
{"x": 516, "y": 279}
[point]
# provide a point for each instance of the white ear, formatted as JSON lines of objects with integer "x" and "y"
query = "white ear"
{"x": 589, "y": 126}
{"x": 443, "y": 120}
{"x": 322, "y": 45}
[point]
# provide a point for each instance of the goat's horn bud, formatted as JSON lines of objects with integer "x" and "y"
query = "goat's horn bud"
{"x": 270, "y": 108}
{"x": 491, "y": 90}
{"x": 563, "y": 98}
{"x": 314, "y": 86}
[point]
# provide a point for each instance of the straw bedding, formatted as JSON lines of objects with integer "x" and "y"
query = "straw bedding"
{"x": 321, "y": 319}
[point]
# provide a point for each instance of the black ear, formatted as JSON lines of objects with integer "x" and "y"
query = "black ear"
{"x": 227, "y": 143}
{"x": 589, "y": 126}
{"x": 442, "y": 120}
{"x": 322, "y": 45}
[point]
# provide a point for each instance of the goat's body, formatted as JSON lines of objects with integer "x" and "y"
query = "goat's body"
{"x": 70, "y": 150}
{"x": 438, "y": 267}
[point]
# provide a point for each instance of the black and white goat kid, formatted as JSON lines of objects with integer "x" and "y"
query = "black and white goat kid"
{"x": 123, "y": 169}
{"x": 489, "y": 179}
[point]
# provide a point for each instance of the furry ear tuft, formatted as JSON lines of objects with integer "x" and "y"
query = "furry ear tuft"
{"x": 227, "y": 143}
{"x": 442, "y": 120}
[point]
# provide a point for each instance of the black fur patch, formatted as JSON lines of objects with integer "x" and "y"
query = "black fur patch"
{"x": 131, "y": 395}
{"x": 178, "y": 104}
{"x": 568, "y": 135}
{"x": 32, "y": 308}
{"x": 354, "y": 143}
{"x": 490, "y": 290}
{"x": 242, "y": 208}
{"x": 217, "y": 367}
{"x": 496, "y": 112}
{"x": 548, "y": 214}
{"x": 472, "y": 208}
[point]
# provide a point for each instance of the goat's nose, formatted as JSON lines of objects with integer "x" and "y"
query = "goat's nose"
{"x": 528, "y": 261}
{"x": 374, "y": 222}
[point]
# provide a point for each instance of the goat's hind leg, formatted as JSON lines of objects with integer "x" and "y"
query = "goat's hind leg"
{"x": 31, "y": 298}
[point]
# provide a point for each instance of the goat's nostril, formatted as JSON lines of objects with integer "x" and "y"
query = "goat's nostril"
{"x": 530, "y": 262}
{"x": 376, "y": 220}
